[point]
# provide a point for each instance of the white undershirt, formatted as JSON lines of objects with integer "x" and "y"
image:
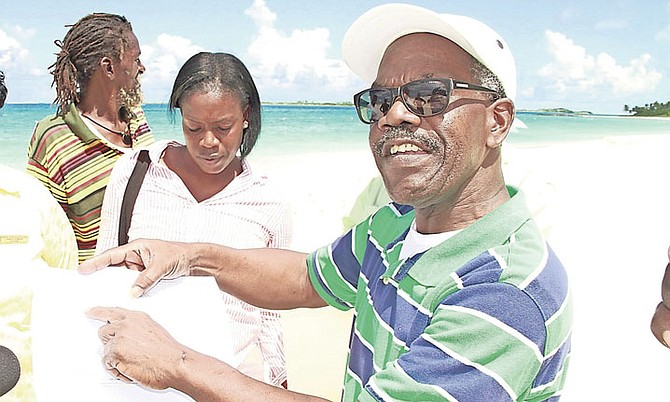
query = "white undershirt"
{"x": 416, "y": 242}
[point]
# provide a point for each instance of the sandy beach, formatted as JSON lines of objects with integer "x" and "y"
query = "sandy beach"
{"x": 321, "y": 187}
{"x": 602, "y": 206}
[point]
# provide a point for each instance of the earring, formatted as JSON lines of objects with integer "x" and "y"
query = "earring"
{"x": 245, "y": 124}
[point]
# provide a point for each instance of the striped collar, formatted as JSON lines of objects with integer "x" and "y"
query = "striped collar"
{"x": 491, "y": 230}
{"x": 73, "y": 119}
{"x": 82, "y": 130}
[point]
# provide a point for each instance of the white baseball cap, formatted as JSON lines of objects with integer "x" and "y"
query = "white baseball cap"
{"x": 368, "y": 37}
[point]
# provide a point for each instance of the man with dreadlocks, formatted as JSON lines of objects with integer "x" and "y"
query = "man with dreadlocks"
{"x": 99, "y": 117}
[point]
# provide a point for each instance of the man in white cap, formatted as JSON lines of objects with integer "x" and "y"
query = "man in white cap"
{"x": 456, "y": 295}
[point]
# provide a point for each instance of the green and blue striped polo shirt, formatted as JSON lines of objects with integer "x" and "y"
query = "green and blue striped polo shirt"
{"x": 484, "y": 316}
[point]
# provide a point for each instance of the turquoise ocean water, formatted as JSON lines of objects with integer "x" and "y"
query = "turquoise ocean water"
{"x": 295, "y": 129}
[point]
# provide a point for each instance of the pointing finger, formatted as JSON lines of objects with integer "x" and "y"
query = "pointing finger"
{"x": 114, "y": 256}
{"x": 145, "y": 281}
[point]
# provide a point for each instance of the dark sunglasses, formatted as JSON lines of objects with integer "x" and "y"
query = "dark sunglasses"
{"x": 426, "y": 97}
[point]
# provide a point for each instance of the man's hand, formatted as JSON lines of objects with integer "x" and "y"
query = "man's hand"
{"x": 660, "y": 322}
{"x": 155, "y": 259}
{"x": 137, "y": 349}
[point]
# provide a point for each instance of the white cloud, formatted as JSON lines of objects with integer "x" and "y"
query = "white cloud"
{"x": 12, "y": 53}
{"x": 295, "y": 61}
{"x": 575, "y": 72}
{"x": 162, "y": 59}
{"x": 27, "y": 79}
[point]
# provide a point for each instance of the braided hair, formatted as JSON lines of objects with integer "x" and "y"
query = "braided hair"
{"x": 91, "y": 38}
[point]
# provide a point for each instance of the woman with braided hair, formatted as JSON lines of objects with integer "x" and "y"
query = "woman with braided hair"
{"x": 99, "y": 118}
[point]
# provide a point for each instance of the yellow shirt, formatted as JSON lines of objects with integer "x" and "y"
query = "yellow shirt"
{"x": 34, "y": 232}
{"x": 32, "y": 224}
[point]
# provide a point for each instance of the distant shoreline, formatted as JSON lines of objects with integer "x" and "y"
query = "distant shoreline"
{"x": 347, "y": 104}
{"x": 546, "y": 112}
{"x": 559, "y": 111}
{"x": 343, "y": 104}
{"x": 584, "y": 113}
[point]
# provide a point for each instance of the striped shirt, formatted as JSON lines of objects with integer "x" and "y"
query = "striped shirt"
{"x": 484, "y": 316}
{"x": 248, "y": 213}
{"x": 74, "y": 164}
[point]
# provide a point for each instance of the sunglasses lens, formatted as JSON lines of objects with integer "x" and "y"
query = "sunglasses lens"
{"x": 426, "y": 97}
{"x": 372, "y": 104}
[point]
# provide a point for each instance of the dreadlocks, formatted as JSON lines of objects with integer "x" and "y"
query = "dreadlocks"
{"x": 88, "y": 40}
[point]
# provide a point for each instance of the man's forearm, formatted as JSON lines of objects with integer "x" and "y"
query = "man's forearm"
{"x": 205, "y": 378}
{"x": 265, "y": 277}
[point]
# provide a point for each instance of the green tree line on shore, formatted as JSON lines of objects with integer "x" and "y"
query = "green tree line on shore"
{"x": 649, "y": 109}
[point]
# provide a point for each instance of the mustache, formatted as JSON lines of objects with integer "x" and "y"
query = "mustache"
{"x": 403, "y": 132}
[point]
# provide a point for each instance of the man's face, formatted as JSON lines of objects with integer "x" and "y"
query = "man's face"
{"x": 426, "y": 161}
{"x": 130, "y": 68}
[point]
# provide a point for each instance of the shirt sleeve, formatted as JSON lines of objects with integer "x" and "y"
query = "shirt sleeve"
{"x": 334, "y": 270}
{"x": 483, "y": 343}
{"x": 42, "y": 173}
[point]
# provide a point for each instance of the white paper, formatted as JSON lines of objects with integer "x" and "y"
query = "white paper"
{"x": 67, "y": 353}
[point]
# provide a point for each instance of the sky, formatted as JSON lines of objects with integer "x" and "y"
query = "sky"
{"x": 581, "y": 55}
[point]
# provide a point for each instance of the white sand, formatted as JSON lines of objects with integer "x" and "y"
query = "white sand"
{"x": 321, "y": 187}
{"x": 602, "y": 205}
{"x": 611, "y": 229}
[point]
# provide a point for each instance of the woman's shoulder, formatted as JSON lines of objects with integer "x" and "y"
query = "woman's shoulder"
{"x": 253, "y": 177}
{"x": 126, "y": 162}
{"x": 156, "y": 151}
